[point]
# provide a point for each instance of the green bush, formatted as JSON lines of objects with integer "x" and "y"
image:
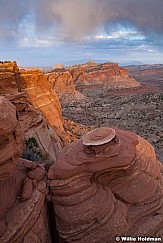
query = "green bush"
{"x": 32, "y": 152}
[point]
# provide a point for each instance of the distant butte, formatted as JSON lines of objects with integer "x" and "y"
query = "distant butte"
{"x": 90, "y": 76}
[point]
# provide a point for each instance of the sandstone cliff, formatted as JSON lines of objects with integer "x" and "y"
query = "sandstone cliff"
{"x": 38, "y": 107}
{"x": 108, "y": 75}
{"x": 23, "y": 189}
{"x": 9, "y": 76}
{"x": 62, "y": 81}
{"x": 38, "y": 90}
{"x": 35, "y": 126}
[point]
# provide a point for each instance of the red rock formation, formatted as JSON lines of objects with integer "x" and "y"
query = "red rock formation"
{"x": 42, "y": 97}
{"x": 35, "y": 125}
{"x": 38, "y": 90}
{"x": 10, "y": 138}
{"x": 62, "y": 81}
{"x": 107, "y": 76}
{"x": 113, "y": 189}
{"x": 23, "y": 189}
{"x": 46, "y": 127}
{"x": 9, "y": 75}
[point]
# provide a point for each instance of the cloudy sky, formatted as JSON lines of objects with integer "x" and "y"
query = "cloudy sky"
{"x": 46, "y": 32}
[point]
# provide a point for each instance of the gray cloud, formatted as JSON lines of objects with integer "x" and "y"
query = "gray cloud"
{"x": 78, "y": 18}
{"x": 12, "y": 14}
{"x": 75, "y": 19}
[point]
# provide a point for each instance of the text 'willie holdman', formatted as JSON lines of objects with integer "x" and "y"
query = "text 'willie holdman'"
{"x": 138, "y": 239}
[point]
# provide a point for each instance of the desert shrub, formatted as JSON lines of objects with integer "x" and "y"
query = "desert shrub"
{"x": 31, "y": 143}
{"x": 32, "y": 151}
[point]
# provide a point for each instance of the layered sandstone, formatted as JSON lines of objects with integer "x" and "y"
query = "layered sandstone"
{"x": 79, "y": 81}
{"x": 9, "y": 77}
{"x": 109, "y": 75}
{"x": 107, "y": 190}
{"x": 39, "y": 92}
{"x": 23, "y": 188}
{"x": 35, "y": 126}
{"x": 10, "y": 138}
{"x": 37, "y": 88}
{"x": 62, "y": 81}
{"x": 40, "y": 110}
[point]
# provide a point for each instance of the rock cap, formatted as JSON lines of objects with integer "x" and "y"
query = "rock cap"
{"x": 98, "y": 136}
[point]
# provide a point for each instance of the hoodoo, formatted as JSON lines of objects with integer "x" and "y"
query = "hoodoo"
{"x": 107, "y": 184}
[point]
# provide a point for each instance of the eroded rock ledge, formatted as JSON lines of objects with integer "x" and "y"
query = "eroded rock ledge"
{"x": 23, "y": 186}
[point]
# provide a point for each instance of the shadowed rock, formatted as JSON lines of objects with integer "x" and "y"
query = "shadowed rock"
{"x": 107, "y": 190}
{"x": 10, "y": 138}
{"x": 23, "y": 188}
{"x": 9, "y": 77}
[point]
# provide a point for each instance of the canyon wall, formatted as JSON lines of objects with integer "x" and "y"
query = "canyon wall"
{"x": 38, "y": 90}
{"x": 23, "y": 186}
{"x": 9, "y": 75}
{"x": 92, "y": 75}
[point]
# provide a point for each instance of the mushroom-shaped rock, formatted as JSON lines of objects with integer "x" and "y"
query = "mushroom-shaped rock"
{"x": 98, "y": 136}
{"x": 107, "y": 184}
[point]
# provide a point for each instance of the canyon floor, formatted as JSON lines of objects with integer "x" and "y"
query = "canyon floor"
{"x": 139, "y": 110}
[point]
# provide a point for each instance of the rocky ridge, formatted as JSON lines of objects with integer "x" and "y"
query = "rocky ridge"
{"x": 90, "y": 77}
{"x": 148, "y": 74}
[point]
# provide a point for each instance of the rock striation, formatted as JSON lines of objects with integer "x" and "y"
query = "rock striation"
{"x": 38, "y": 107}
{"x": 10, "y": 138}
{"x": 9, "y": 77}
{"x": 109, "y": 189}
{"x": 92, "y": 75}
{"x": 62, "y": 81}
{"x": 109, "y": 75}
{"x": 34, "y": 83}
{"x": 23, "y": 186}
{"x": 35, "y": 126}
{"x": 38, "y": 90}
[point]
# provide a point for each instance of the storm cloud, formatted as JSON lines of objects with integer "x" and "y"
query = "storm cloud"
{"x": 76, "y": 19}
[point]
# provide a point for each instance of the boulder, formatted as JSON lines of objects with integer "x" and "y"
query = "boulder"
{"x": 107, "y": 184}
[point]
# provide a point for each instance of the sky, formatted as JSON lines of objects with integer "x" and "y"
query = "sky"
{"x": 49, "y": 32}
